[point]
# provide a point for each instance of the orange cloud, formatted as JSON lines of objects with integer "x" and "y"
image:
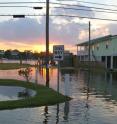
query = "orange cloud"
{"x": 34, "y": 46}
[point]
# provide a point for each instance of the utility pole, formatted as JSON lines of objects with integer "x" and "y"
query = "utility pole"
{"x": 89, "y": 59}
{"x": 47, "y": 43}
{"x": 89, "y": 43}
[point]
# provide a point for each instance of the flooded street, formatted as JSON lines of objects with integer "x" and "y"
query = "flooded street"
{"x": 94, "y": 99}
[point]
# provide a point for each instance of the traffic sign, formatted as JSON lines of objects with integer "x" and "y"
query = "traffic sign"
{"x": 58, "y": 51}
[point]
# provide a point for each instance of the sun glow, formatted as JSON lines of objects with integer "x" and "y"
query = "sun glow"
{"x": 42, "y": 47}
{"x": 37, "y": 46}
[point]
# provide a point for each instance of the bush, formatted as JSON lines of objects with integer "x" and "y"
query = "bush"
{"x": 26, "y": 73}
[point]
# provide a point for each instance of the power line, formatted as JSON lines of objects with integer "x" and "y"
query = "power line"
{"x": 25, "y": 2}
{"x": 70, "y": 16}
{"x": 67, "y": 8}
{"x": 62, "y": 8}
{"x": 75, "y": 5}
{"x": 95, "y": 18}
{"x": 20, "y": 2}
{"x": 91, "y": 3}
{"x": 18, "y": 6}
{"x": 84, "y": 9}
{"x": 56, "y": 3}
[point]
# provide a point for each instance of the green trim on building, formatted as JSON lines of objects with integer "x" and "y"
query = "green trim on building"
{"x": 98, "y": 40}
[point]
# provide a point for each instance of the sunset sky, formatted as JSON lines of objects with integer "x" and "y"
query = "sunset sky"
{"x": 29, "y": 33}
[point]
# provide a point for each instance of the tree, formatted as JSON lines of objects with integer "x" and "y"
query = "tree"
{"x": 7, "y": 54}
{"x": 26, "y": 73}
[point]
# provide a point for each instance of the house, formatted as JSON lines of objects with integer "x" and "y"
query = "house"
{"x": 103, "y": 50}
{"x": 15, "y": 54}
{"x": 68, "y": 59}
{"x": 1, "y": 53}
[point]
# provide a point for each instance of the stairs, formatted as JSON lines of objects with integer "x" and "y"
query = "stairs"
{"x": 94, "y": 57}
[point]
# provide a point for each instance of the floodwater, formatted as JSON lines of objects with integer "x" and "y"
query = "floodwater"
{"x": 94, "y": 99}
{"x": 11, "y": 92}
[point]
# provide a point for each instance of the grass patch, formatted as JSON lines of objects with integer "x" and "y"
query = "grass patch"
{"x": 8, "y": 66}
{"x": 44, "y": 96}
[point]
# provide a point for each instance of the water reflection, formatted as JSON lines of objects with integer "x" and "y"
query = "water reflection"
{"x": 46, "y": 115}
{"x": 66, "y": 111}
{"x": 94, "y": 99}
{"x": 67, "y": 83}
{"x": 87, "y": 106}
{"x": 104, "y": 86}
{"x": 57, "y": 113}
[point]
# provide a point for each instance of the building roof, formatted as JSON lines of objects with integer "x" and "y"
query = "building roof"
{"x": 97, "y": 40}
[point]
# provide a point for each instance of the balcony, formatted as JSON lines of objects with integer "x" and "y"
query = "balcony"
{"x": 82, "y": 53}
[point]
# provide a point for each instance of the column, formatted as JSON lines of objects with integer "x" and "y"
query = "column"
{"x": 111, "y": 62}
{"x": 106, "y": 61}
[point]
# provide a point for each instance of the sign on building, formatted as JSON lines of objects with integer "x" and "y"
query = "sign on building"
{"x": 58, "y": 51}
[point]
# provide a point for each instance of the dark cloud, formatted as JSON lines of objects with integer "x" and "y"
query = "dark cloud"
{"x": 29, "y": 29}
{"x": 20, "y": 30}
{"x": 68, "y": 33}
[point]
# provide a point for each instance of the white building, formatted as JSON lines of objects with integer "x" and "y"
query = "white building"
{"x": 103, "y": 50}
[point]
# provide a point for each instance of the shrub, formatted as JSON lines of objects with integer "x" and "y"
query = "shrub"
{"x": 26, "y": 73}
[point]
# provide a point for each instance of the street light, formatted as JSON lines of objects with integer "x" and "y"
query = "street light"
{"x": 23, "y": 16}
{"x": 36, "y": 7}
{"x": 47, "y": 38}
